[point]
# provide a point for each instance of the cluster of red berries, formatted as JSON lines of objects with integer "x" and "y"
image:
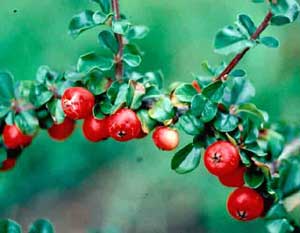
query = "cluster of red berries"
{"x": 78, "y": 104}
{"x": 222, "y": 159}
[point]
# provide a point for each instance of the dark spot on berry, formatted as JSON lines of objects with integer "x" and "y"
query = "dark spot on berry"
{"x": 217, "y": 158}
{"x": 121, "y": 134}
{"x": 242, "y": 214}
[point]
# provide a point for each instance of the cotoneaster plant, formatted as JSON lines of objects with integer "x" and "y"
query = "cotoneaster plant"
{"x": 239, "y": 144}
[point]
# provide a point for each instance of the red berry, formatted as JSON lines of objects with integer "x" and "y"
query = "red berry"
{"x": 77, "y": 103}
{"x": 221, "y": 158}
{"x": 141, "y": 135}
{"x": 196, "y": 86}
{"x": 94, "y": 129}
{"x": 124, "y": 125}
{"x": 13, "y": 138}
{"x": 8, "y": 164}
{"x": 165, "y": 138}
{"x": 62, "y": 131}
{"x": 245, "y": 204}
{"x": 234, "y": 179}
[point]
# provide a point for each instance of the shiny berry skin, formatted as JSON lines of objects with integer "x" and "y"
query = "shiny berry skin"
{"x": 124, "y": 125}
{"x": 165, "y": 138}
{"x": 13, "y": 138}
{"x": 77, "y": 103}
{"x": 8, "y": 164}
{"x": 94, "y": 129}
{"x": 234, "y": 179}
{"x": 196, "y": 86}
{"x": 245, "y": 204}
{"x": 221, "y": 158}
{"x": 62, "y": 131}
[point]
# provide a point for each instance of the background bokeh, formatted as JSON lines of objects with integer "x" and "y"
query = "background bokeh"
{"x": 130, "y": 187}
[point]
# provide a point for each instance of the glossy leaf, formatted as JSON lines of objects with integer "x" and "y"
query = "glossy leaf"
{"x": 185, "y": 92}
{"x": 230, "y": 40}
{"x": 226, "y": 122}
{"x": 6, "y": 88}
{"x": 186, "y": 159}
{"x": 284, "y": 12}
{"x": 108, "y": 40}
{"x": 27, "y": 122}
{"x": 190, "y": 124}
{"x": 41, "y": 226}
{"x": 162, "y": 110}
{"x": 132, "y": 60}
{"x": 148, "y": 124}
{"x": 81, "y": 22}
{"x": 269, "y": 41}
{"x": 91, "y": 61}
{"x": 9, "y": 226}
{"x": 56, "y": 111}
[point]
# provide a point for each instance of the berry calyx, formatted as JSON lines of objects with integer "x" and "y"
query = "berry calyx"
{"x": 77, "y": 103}
{"x": 94, "y": 129}
{"x": 196, "y": 86}
{"x": 221, "y": 158}
{"x": 235, "y": 178}
{"x": 165, "y": 138}
{"x": 13, "y": 137}
{"x": 8, "y": 164}
{"x": 245, "y": 204}
{"x": 62, "y": 131}
{"x": 124, "y": 125}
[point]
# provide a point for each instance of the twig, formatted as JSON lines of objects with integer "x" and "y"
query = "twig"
{"x": 239, "y": 56}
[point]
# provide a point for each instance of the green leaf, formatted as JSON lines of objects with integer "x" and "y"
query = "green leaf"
{"x": 132, "y": 60}
{"x": 255, "y": 149}
{"x": 27, "y": 122}
{"x": 56, "y": 111}
{"x": 269, "y": 41}
{"x": 185, "y": 92}
{"x": 275, "y": 143}
{"x": 120, "y": 26}
{"x": 186, "y": 159}
{"x": 97, "y": 83}
{"x": 204, "y": 108}
{"x": 153, "y": 79}
{"x": 231, "y": 40}
{"x": 81, "y": 22}
{"x": 197, "y": 104}
{"x": 9, "y": 226}
{"x": 226, "y": 122}
{"x": 279, "y": 226}
{"x": 247, "y": 23}
{"x": 254, "y": 177}
{"x": 214, "y": 91}
{"x": 108, "y": 40}
{"x": 284, "y": 12}
{"x": 292, "y": 206}
{"x": 41, "y": 226}
{"x": 290, "y": 176}
{"x": 251, "y": 111}
{"x": 162, "y": 110}
{"x": 190, "y": 124}
{"x": 209, "y": 112}
{"x": 137, "y": 32}
{"x": 277, "y": 211}
{"x": 104, "y": 4}
{"x": 135, "y": 94}
{"x": 148, "y": 124}
{"x": 6, "y": 88}
{"x": 91, "y": 61}
{"x": 100, "y": 18}
{"x": 40, "y": 95}
{"x": 238, "y": 91}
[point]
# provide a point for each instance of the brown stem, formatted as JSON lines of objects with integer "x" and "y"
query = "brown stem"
{"x": 119, "y": 55}
{"x": 238, "y": 57}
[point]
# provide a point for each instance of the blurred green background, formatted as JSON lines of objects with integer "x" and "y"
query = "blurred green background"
{"x": 130, "y": 187}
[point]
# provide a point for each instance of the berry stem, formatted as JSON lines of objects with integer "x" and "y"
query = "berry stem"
{"x": 119, "y": 55}
{"x": 265, "y": 23}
